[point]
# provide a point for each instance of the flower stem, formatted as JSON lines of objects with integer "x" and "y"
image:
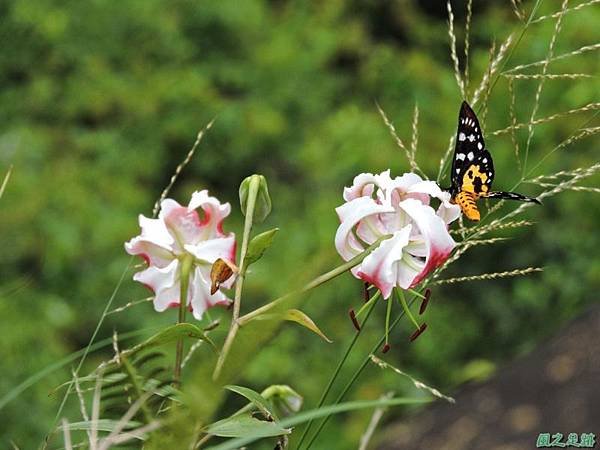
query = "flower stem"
{"x": 354, "y": 378}
{"x": 237, "y": 300}
{"x": 388, "y": 313}
{"x": 186, "y": 267}
{"x": 336, "y": 372}
{"x": 400, "y": 293}
{"x": 316, "y": 282}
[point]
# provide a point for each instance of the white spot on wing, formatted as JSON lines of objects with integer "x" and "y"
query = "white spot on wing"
{"x": 461, "y": 136}
{"x": 484, "y": 160}
{"x": 460, "y": 156}
{"x": 471, "y": 138}
{"x": 457, "y": 170}
{"x": 479, "y": 146}
{"x": 470, "y": 156}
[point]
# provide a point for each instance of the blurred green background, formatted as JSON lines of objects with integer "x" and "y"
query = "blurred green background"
{"x": 100, "y": 101}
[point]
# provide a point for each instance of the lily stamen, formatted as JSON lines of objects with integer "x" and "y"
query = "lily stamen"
{"x": 425, "y": 301}
{"x": 354, "y": 320}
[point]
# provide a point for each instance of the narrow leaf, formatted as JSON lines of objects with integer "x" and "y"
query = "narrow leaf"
{"x": 258, "y": 245}
{"x": 295, "y": 315}
{"x": 241, "y": 426}
{"x": 170, "y": 334}
{"x": 100, "y": 425}
{"x": 324, "y": 411}
{"x": 258, "y": 400}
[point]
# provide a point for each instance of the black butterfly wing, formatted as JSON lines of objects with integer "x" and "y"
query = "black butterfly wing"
{"x": 472, "y": 165}
{"x": 513, "y": 196}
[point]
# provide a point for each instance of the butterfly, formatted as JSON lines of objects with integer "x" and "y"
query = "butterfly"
{"x": 473, "y": 168}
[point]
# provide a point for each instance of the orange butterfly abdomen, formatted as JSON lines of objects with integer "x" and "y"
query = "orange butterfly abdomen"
{"x": 466, "y": 201}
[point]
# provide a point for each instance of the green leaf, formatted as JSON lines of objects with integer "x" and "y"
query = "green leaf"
{"x": 258, "y": 245}
{"x": 324, "y": 411}
{"x": 244, "y": 425}
{"x": 255, "y": 186}
{"x": 100, "y": 425}
{"x": 40, "y": 375}
{"x": 295, "y": 315}
{"x": 170, "y": 334}
{"x": 258, "y": 400}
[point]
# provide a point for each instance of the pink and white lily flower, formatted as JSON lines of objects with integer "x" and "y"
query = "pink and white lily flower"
{"x": 179, "y": 233}
{"x": 378, "y": 205}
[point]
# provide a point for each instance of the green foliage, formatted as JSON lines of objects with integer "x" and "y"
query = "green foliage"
{"x": 101, "y": 100}
{"x": 259, "y": 245}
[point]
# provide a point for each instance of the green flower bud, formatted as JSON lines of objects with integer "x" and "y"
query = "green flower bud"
{"x": 285, "y": 400}
{"x": 254, "y": 194}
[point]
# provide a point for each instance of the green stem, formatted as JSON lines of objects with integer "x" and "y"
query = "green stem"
{"x": 314, "y": 283}
{"x": 400, "y": 294}
{"x": 337, "y": 370}
{"x": 237, "y": 300}
{"x": 355, "y": 377}
{"x": 388, "y": 313}
{"x": 186, "y": 267}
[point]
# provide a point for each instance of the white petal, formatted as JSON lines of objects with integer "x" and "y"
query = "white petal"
{"x": 426, "y": 187}
{"x": 155, "y": 231}
{"x": 371, "y": 228}
{"x": 164, "y": 282}
{"x": 152, "y": 253}
{"x": 201, "y": 298}
{"x": 381, "y": 266}
{"x": 183, "y": 224}
{"x": 400, "y": 188}
{"x": 447, "y": 211}
{"x": 154, "y": 244}
{"x": 214, "y": 213}
{"x": 213, "y": 249}
{"x": 408, "y": 269}
{"x": 433, "y": 231}
{"x": 350, "y": 214}
{"x": 363, "y": 185}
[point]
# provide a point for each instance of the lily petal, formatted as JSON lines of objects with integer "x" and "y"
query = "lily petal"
{"x": 164, "y": 282}
{"x": 381, "y": 266}
{"x": 363, "y": 185}
{"x": 183, "y": 224}
{"x": 154, "y": 244}
{"x": 432, "y": 230}
{"x": 350, "y": 214}
{"x": 214, "y": 213}
{"x": 447, "y": 211}
{"x": 201, "y": 298}
{"x": 214, "y": 249}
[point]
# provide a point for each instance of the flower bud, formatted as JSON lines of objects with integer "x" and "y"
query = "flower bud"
{"x": 285, "y": 400}
{"x": 255, "y": 186}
